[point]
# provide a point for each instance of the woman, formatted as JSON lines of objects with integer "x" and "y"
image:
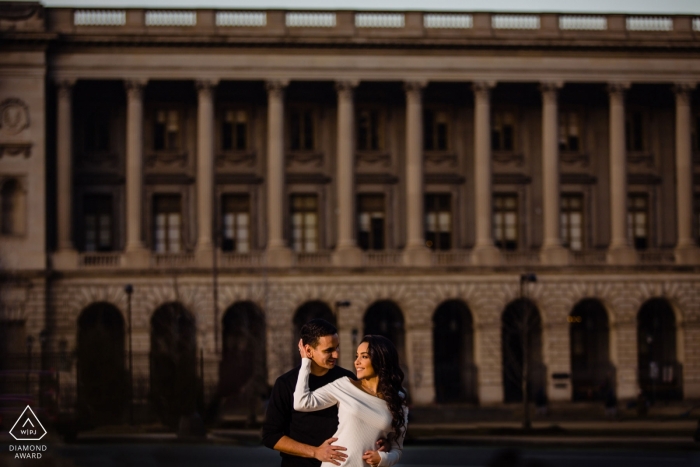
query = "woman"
{"x": 370, "y": 408}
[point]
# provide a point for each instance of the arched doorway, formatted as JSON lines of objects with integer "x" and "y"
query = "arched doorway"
{"x": 305, "y": 313}
{"x": 521, "y": 322}
{"x": 173, "y": 363}
{"x": 453, "y": 353}
{"x": 103, "y": 381}
{"x": 14, "y": 356}
{"x": 660, "y": 373}
{"x": 242, "y": 372}
{"x": 592, "y": 374}
{"x": 385, "y": 318}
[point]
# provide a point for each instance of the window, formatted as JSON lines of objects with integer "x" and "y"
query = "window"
{"x": 371, "y": 222}
{"x": 438, "y": 222}
{"x": 235, "y": 218}
{"x": 97, "y": 132}
{"x": 638, "y": 220}
{"x": 167, "y": 211}
{"x": 98, "y": 223}
{"x": 235, "y": 131}
{"x": 505, "y": 221}
{"x": 302, "y": 130}
{"x": 696, "y": 133}
{"x": 435, "y": 131}
{"x": 13, "y": 207}
{"x": 167, "y": 131}
{"x": 503, "y": 131}
{"x": 634, "y": 131}
{"x": 696, "y": 218}
{"x": 369, "y": 131}
{"x": 572, "y": 221}
{"x": 305, "y": 223}
{"x": 569, "y": 132}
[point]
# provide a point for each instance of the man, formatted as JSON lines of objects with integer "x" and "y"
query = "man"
{"x": 304, "y": 438}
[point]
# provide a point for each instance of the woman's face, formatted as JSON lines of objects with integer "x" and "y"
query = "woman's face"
{"x": 363, "y": 364}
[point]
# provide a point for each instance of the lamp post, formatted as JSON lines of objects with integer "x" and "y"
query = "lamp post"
{"x": 129, "y": 289}
{"x": 43, "y": 339}
{"x": 30, "y": 343}
{"x": 524, "y": 280}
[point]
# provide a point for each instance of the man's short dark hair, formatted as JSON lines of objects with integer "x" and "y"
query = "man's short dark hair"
{"x": 312, "y": 331}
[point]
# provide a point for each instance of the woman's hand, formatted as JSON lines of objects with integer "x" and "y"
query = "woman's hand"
{"x": 371, "y": 457}
{"x": 302, "y": 350}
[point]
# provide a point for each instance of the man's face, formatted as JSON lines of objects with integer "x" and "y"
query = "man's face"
{"x": 325, "y": 354}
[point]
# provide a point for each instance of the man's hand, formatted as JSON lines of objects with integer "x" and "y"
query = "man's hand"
{"x": 329, "y": 453}
{"x": 383, "y": 445}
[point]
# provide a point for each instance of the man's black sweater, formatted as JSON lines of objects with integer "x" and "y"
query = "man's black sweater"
{"x": 311, "y": 428}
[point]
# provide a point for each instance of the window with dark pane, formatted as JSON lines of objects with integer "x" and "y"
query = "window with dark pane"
{"x": 302, "y": 130}
{"x": 638, "y": 220}
{"x": 167, "y": 130}
{"x": 503, "y": 131}
{"x": 370, "y": 222}
{"x": 304, "y": 213}
{"x": 572, "y": 221}
{"x": 696, "y": 133}
{"x": 97, "y": 132}
{"x": 235, "y": 130}
{"x": 438, "y": 221}
{"x": 369, "y": 130}
{"x": 634, "y": 131}
{"x": 167, "y": 223}
{"x": 505, "y": 221}
{"x": 569, "y": 131}
{"x": 14, "y": 206}
{"x": 435, "y": 130}
{"x": 235, "y": 223}
{"x": 696, "y": 217}
{"x": 98, "y": 222}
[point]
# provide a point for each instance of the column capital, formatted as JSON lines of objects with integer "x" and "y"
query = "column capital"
{"x": 134, "y": 87}
{"x": 483, "y": 87}
{"x": 206, "y": 84}
{"x": 414, "y": 86}
{"x": 65, "y": 86}
{"x": 276, "y": 86}
{"x": 346, "y": 87}
{"x": 683, "y": 89}
{"x": 618, "y": 87}
{"x": 551, "y": 87}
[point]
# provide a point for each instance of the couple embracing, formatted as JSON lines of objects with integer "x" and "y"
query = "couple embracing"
{"x": 321, "y": 414}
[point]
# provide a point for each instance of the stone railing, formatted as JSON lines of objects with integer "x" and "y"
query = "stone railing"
{"x": 520, "y": 258}
{"x": 589, "y": 257}
{"x": 386, "y": 24}
{"x": 452, "y": 258}
{"x": 379, "y": 259}
{"x": 660, "y": 256}
{"x": 100, "y": 260}
{"x": 172, "y": 260}
{"x": 319, "y": 259}
{"x": 239, "y": 260}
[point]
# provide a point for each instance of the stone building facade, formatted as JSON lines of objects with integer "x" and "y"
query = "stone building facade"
{"x": 395, "y": 172}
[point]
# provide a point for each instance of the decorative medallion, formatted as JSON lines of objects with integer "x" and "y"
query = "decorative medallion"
{"x": 236, "y": 158}
{"x": 305, "y": 158}
{"x": 574, "y": 158}
{"x": 440, "y": 157}
{"x": 373, "y": 157}
{"x": 508, "y": 157}
{"x": 14, "y": 116}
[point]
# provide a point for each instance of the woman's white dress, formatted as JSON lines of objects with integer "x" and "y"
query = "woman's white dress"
{"x": 362, "y": 418}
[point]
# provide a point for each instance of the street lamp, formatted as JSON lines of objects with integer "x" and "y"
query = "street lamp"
{"x": 129, "y": 289}
{"x": 30, "y": 343}
{"x": 524, "y": 280}
{"x": 43, "y": 339}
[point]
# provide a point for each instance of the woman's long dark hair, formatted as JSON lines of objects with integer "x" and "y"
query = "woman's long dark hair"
{"x": 385, "y": 360}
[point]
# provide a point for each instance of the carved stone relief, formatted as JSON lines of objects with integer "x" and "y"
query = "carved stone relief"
{"x": 14, "y": 119}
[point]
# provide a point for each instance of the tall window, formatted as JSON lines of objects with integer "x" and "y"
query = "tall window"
{"x": 438, "y": 221}
{"x": 234, "y": 133}
{"x": 638, "y": 220}
{"x": 167, "y": 214}
{"x": 503, "y": 131}
{"x": 572, "y": 221}
{"x": 13, "y": 208}
{"x": 696, "y": 217}
{"x": 235, "y": 218}
{"x": 505, "y": 221}
{"x": 369, "y": 130}
{"x": 634, "y": 130}
{"x": 370, "y": 223}
{"x": 98, "y": 222}
{"x": 302, "y": 130}
{"x": 167, "y": 130}
{"x": 436, "y": 131}
{"x": 569, "y": 131}
{"x": 304, "y": 223}
{"x": 97, "y": 132}
{"x": 696, "y": 132}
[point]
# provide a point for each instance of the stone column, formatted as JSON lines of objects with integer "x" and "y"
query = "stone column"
{"x": 687, "y": 251}
{"x": 556, "y": 355}
{"x": 416, "y": 253}
{"x": 66, "y": 256}
{"x": 205, "y": 169}
{"x": 485, "y": 253}
{"x": 135, "y": 249}
{"x": 346, "y": 253}
{"x": 623, "y": 353}
{"x": 552, "y": 252}
{"x": 619, "y": 251}
{"x": 277, "y": 253}
{"x": 691, "y": 364}
{"x": 419, "y": 356}
{"x": 488, "y": 358}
